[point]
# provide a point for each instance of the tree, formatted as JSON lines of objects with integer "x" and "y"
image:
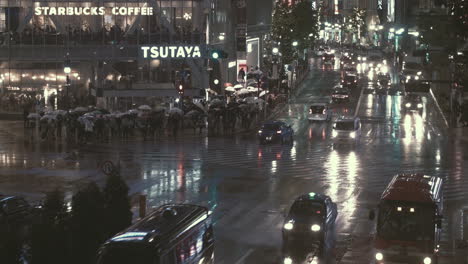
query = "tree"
{"x": 282, "y": 28}
{"x": 50, "y": 232}
{"x": 118, "y": 212}
{"x": 87, "y": 225}
{"x": 357, "y": 22}
{"x": 291, "y": 23}
{"x": 305, "y": 21}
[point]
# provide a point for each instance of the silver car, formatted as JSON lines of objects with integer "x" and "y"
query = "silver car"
{"x": 346, "y": 130}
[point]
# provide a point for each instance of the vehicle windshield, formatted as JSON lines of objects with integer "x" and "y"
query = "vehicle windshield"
{"x": 347, "y": 125}
{"x": 407, "y": 222}
{"x": 317, "y": 109}
{"x": 271, "y": 127}
{"x": 349, "y": 78}
{"x": 413, "y": 98}
{"x": 302, "y": 209}
{"x": 128, "y": 254}
{"x": 340, "y": 92}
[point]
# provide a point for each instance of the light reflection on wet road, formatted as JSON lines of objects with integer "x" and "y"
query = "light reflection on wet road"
{"x": 250, "y": 186}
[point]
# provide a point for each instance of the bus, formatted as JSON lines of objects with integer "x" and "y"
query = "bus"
{"x": 172, "y": 234}
{"x": 409, "y": 220}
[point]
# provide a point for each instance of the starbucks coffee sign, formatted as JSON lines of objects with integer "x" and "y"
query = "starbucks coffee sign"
{"x": 170, "y": 52}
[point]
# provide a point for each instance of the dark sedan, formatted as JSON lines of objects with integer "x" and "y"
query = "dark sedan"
{"x": 310, "y": 218}
{"x": 340, "y": 95}
{"x": 275, "y": 131}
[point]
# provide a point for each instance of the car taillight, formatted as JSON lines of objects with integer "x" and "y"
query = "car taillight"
{"x": 355, "y": 80}
{"x": 324, "y": 111}
{"x": 278, "y": 132}
{"x": 323, "y": 58}
{"x": 310, "y": 111}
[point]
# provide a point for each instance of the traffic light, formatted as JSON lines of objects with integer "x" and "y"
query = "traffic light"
{"x": 216, "y": 54}
{"x": 181, "y": 89}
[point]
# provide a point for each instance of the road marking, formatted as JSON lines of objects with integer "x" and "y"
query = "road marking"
{"x": 356, "y": 112}
{"x": 241, "y": 260}
{"x": 438, "y": 106}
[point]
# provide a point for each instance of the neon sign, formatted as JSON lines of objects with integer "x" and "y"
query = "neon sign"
{"x": 158, "y": 52}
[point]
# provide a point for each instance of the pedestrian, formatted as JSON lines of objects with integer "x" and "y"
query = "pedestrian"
{"x": 241, "y": 74}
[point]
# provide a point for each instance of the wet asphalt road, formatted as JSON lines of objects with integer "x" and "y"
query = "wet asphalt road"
{"x": 250, "y": 186}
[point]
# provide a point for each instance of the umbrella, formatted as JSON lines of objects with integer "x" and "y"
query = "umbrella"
{"x": 238, "y": 86}
{"x": 132, "y": 111}
{"x": 249, "y": 100}
{"x": 242, "y": 91}
{"x": 192, "y": 113}
{"x": 230, "y": 89}
{"x": 33, "y": 115}
{"x": 144, "y": 107}
{"x": 159, "y": 109}
{"x": 199, "y": 105}
{"x": 48, "y": 117}
{"x": 81, "y": 109}
{"x": 254, "y": 84}
{"x": 216, "y": 102}
{"x": 60, "y": 112}
{"x": 252, "y": 89}
{"x": 176, "y": 110}
{"x": 262, "y": 93}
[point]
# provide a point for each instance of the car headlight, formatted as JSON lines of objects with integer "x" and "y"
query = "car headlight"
{"x": 427, "y": 260}
{"x": 385, "y": 62}
{"x": 334, "y": 133}
{"x": 416, "y": 77}
{"x": 419, "y": 73}
{"x": 379, "y": 256}
{"x": 287, "y": 260}
{"x": 260, "y": 131}
{"x": 408, "y": 105}
{"x": 371, "y": 64}
{"x": 278, "y": 132}
{"x": 420, "y": 105}
{"x": 315, "y": 228}
{"x": 384, "y": 69}
{"x": 352, "y": 134}
{"x": 289, "y": 226}
{"x": 408, "y": 77}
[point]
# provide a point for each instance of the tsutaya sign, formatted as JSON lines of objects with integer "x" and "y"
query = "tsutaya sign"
{"x": 170, "y": 52}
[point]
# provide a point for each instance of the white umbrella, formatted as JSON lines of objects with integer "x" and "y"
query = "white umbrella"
{"x": 132, "y": 111}
{"x": 176, "y": 110}
{"x": 262, "y": 93}
{"x": 33, "y": 115}
{"x": 252, "y": 89}
{"x": 230, "y": 89}
{"x": 238, "y": 86}
{"x": 144, "y": 107}
{"x": 48, "y": 117}
{"x": 242, "y": 91}
{"x": 81, "y": 109}
{"x": 60, "y": 112}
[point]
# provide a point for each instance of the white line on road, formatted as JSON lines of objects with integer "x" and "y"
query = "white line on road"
{"x": 438, "y": 106}
{"x": 241, "y": 260}
{"x": 356, "y": 112}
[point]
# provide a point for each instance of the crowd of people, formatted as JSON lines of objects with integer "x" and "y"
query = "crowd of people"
{"x": 115, "y": 34}
{"x": 90, "y": 124}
